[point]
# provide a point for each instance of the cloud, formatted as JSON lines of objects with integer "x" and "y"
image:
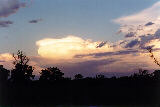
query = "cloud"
{"x": 5, "y": 23}
{"x": 86, "y": 68}
{"x": 35, "y": 20}
{"x": 6, "y": 60}
{"x": 130, "y": 34}
{"x": 141, "y": 29}
{"x": 6, "y": 57}
{"x": 68, "y": 47}
{"x": 132, "y": 43}
{"x": 101, "y": 44}
{"x": 144, "y": 22}
{"x": 74, "y": 55}
{"x": 118, "y": 63}
{"x": 8, "y": 7}
{"x": 149, "y": 23}
{"x": 150, "y": 14}
{"x": 99, "y": 55}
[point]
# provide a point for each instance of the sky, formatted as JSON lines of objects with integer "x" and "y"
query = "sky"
{"x": 81, "y": 36}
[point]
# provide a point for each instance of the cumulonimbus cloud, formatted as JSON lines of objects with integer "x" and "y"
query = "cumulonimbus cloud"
{"x": 68, "y": 47}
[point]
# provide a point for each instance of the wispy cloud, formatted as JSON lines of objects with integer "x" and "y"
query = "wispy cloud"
{"x": 99, "y": 55}
{"x": 150, "y": 14}
{"x": 35, "y": 20}
{"x": 5, "y": 23}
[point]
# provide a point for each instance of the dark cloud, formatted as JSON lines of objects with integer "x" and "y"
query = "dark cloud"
{"x": 5, "y": 23}
{"x": 157, "y": 34}
{"x": 149, "y": 23}
{"x": 130, "y": 34}
{"x": 101, "y": 44}
{"x": 2, "y": 61}
{"x": 86, "y": 68}
{"x": 91, "y": 68}
{"x": 8, "y": 7}
{"x": 35, "y": 21}
{"x": 97, "y": 55}
{"x": 146, "y": 40}
{"x": 123, "y": 52}
{"x": 132, "y": 43}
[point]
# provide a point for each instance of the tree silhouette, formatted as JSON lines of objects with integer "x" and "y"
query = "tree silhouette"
{"x": 100, "y": 76}
{"x": 51, "y": 74}
{"x": 4, "y": 74}
{"x": 78, "y": 76}
{"x": 45, "y": 75}
{"x": 22, "y": 71}
{"x": 156, "y": 75}
{"x": 141, "y": 75}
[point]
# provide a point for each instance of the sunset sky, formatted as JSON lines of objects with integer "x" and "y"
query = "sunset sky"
{"x": 81, "y": 36}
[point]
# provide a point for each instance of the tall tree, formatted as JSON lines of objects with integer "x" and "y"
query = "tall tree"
{"x": 22, "y": 71}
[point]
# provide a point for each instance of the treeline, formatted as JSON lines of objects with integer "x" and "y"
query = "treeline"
{"x": 18, "y": 87}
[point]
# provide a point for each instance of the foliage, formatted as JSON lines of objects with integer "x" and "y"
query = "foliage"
{"x": 4, "y": 74}
{"x": 78, "y": 76}
{"x": 100, "y": 76}
{"x": 51, "y": 74}
{"x": 22, "y": 71}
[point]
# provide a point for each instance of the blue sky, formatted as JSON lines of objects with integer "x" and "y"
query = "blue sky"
{"x": 84, "y": 18}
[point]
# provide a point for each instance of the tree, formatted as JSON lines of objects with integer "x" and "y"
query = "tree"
{"x": 143, "y": 72}
{"x": 45, "y": 75}
{"x": 100, "y": 76}
{"x": 51, "y": 74}
{"x": 156, "y": 75}
{"x": 22, "y": 71}
{"x": 78, "y": 76}
{"x": 4, "y": 74}
{"x": 142, "y": 75}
